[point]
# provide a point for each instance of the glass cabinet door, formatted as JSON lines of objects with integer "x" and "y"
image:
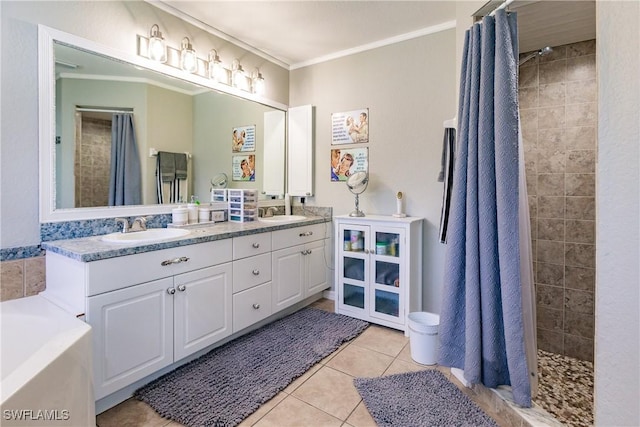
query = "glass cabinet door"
{"x": 387, "y": 274}
{"x": 353, "y": 267}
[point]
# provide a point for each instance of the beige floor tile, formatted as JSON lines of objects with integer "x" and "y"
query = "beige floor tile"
{"x": 131, "y": 413}
{"x": 334, "y": 354}
{"x": 361, "y": 417}
{"x": 360, "y": 362}
{"x": 330, "y": 391}
{"x": 263, "y": 410}
{"x": 383, "y": 340}
{"x": 400, "y": 366}
{"x": 292, "y": 412}
{"x": 298, "y": 382}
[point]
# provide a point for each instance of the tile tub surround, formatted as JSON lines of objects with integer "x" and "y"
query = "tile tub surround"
{"x": 22, "y": 277}
{"x": 558, "y": 112}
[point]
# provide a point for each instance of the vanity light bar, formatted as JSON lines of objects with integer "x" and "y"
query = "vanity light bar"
{"x": 210, "y": 68}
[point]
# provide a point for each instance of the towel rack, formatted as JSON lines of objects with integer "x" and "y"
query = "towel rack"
{"x": 153, "y": 152}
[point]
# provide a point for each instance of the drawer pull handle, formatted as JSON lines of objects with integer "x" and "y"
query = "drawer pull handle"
{"x": 256, "y": 272}
{"x": 256, "y": 306}
{"x": 306, "y": 234}
{"x": 182, "y": 288}
{"x": 174, "y": 261}
{"x": 256, "y": 245}
{"x": 303, "y": 252}
{"x": 171, "y": 291}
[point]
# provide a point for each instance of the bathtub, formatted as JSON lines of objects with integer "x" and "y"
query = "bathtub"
{"x": 45, "y": 366}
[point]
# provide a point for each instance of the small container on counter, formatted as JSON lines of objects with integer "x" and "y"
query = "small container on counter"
{"x": 204, "y": 214}
{"x": 179, "y": 216}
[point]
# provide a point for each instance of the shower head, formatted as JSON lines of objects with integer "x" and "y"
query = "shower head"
{"x": 542, "y": 52}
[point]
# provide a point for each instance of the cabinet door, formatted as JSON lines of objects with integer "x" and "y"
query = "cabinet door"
{"x": 300, "y": 151}
{"x": 288, "y": 276}
{"x": 388, "y": 277}
{"x": 316, "y": 259}
{"x": 352, "y": 271}
{"x": 202, "y": 309}
{"x": 132, "y": 334}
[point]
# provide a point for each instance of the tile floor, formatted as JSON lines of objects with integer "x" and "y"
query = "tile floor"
{"x": 566, "y": 388}
{"x": 325, "y": 395}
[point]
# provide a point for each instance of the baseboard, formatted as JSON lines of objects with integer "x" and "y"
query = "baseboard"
{"x": 329, "y": 295}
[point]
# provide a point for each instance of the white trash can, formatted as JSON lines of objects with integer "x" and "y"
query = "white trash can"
{"x": 423, "y": 337}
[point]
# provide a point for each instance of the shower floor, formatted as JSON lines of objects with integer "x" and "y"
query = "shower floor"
{"x": 565, "y": 388}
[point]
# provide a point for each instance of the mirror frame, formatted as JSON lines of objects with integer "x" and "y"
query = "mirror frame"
{"x": 47, "y": 121}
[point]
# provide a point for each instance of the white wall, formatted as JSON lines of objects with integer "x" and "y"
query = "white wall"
{"x": 409, "y": 89}
{"x": 111, "y": 23}
{"x": 617, "y": 340}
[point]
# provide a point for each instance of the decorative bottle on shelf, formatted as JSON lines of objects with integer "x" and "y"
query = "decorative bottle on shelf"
{"x": 192, "y": 207}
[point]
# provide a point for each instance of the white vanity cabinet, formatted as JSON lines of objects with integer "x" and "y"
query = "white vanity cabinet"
{"x": 252, "y": 285}
{"x": 299, "y": 264}
{"x": 148, "y": 310}
{"x": 378, "y": 271}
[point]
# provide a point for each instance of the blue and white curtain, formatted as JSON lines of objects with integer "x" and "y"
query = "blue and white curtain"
{"x": 482, "y": 329}
{"x": 125, "y": 178}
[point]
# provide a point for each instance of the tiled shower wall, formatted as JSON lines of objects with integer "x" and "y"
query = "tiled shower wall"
{"x": 92, "y": 161}
{"x": 558, "y": 113}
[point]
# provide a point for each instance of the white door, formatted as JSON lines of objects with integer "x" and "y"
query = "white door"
{"x": 132, "y": 334}
{"x": 288, "y": 277}
{"x": 202, "y": 307}
{"x": 316, "y": 267}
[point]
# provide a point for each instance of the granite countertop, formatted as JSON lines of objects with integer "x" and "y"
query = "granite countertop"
{"x": 93, "y": 248}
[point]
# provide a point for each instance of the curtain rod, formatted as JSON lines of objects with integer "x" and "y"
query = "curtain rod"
{"x": 502, "y": 6}
{"x": 104, "y": 110}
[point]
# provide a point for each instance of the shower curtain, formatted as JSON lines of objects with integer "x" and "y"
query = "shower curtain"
{"x": 487, "y": 277}
{"x": 125, "y": 177}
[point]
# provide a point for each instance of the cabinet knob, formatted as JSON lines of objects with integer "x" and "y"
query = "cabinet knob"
{"x": 256, "y": 272}
{"x": 256, "y": 306}
{"x": 171, "y": 291}
{"x": 182, "y": 288}
{"x": 256, "y": 245}
{"x": 366, "y": 251}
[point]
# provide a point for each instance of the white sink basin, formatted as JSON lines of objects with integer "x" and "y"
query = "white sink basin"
{"x": 282, "y": 218}
{"x": 151, "y": 235}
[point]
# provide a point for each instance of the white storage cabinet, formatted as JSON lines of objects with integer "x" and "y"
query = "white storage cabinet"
{"x": 378, "y": 271}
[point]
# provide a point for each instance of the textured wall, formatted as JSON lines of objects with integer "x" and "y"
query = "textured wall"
{"x": 617, "y": 359}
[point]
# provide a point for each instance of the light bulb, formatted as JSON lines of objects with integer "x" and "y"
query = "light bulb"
{"x": 188, "y": 58}
{"x": 157, "y": 46}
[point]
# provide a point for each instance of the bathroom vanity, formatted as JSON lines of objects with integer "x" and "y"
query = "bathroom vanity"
{"x": 378, "y": 273}
{"x": 154, "y": 307}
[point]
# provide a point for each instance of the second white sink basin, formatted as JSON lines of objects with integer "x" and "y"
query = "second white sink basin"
{"x": 151, "y": 235}
{"x": 282, "y": 218}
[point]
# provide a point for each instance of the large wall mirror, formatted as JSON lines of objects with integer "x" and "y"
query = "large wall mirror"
{"x": 82, "y": 85}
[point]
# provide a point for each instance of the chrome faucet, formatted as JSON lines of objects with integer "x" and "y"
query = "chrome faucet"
{"x": 140, "y": 223}
{"x": 125, "y": 224}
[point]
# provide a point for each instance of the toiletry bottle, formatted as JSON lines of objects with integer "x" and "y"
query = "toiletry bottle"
{"x": 192, "y": 207}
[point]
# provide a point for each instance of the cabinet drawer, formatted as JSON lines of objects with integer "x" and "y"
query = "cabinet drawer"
{"x": 253, "y": 244}
{"x": 251, "y": 271}
{"x": 298, "y": 235}
{"x": 251, "y": 306}
{"x": 117, "y": 273}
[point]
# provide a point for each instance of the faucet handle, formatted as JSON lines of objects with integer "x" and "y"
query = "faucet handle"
{"x": 125, "y": 224}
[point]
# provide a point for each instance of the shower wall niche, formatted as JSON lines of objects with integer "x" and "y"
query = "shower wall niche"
{"x": 558, "y": 112}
